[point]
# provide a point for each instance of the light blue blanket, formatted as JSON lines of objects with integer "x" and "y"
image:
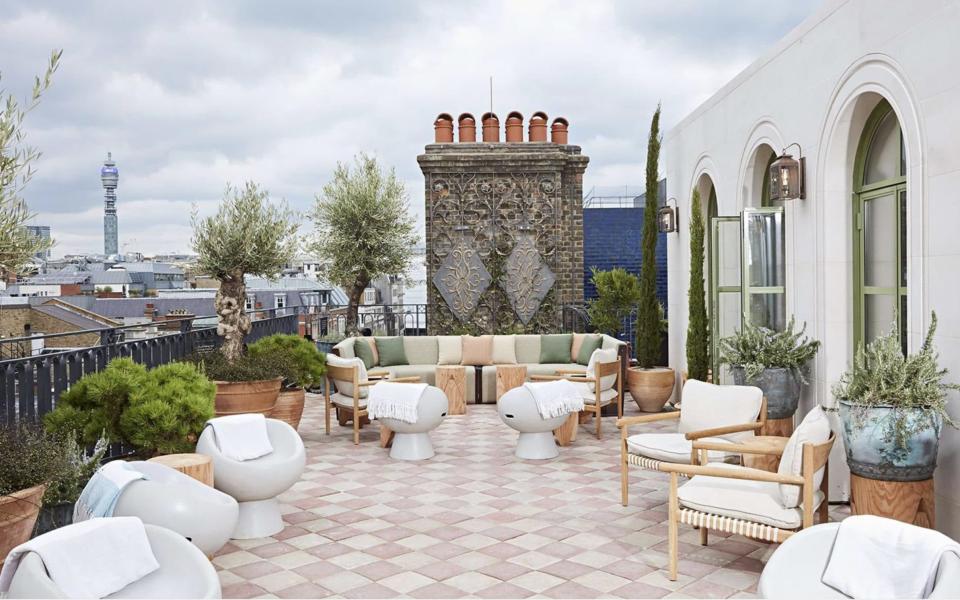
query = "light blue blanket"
{"x": 99, "y": 497}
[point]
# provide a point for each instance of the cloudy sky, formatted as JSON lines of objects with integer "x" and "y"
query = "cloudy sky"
{"x": 191, "y": 95}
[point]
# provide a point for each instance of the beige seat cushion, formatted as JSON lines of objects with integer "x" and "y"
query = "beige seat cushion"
{"x": 814, "y": 429}
{"x": 552, "y": 368}
{"x": 757, "y": 501}
{"x": 528, "y": 349}
{"x": 668, "y": 447}
{"x": 426, "y": 373}
{"x": 590, "y": 397}
{"x": 421, "y": 350}
{"x": 477, "y": 350}
{"x": 347, "y": 401}
{"x": 504, "y": 350}
{"x": 706, "y": 406}
{"x": 599, "y": 357}
{"x": 345, "y": 348}
{"x": 450, "y": 349}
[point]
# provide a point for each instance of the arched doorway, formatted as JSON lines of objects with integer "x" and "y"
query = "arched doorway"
{"x": 880, "y": 229}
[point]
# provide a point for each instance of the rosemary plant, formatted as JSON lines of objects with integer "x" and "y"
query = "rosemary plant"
{"x": 757, "y": 348}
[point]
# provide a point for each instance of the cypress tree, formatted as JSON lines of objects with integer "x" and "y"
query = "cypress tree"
{"x": 698, "y": 332}
{"x": 647, "y": 345}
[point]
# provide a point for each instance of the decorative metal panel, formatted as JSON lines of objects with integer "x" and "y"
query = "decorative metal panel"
{"x": 527, "y": 279}
{"x": 462, "y": 278}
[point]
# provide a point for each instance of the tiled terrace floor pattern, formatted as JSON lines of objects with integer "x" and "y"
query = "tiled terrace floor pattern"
{"x": 475, "y": 521}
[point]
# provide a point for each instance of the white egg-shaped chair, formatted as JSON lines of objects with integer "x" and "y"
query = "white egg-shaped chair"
{"x": 170, "y": 499}
{"x": 518, "y": 409}
{"x": 411, "y": 441}
{"x": 184, "y": 573}
{"x": 255, "y": 484}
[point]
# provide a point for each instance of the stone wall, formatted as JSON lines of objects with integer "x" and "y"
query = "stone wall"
{"x": 504, "y": 235}
{"x": 13, "y": 319}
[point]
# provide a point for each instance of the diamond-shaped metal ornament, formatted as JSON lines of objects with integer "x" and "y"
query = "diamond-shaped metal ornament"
{"x": 527, "y": 278}
{"x": 461, "y": 278}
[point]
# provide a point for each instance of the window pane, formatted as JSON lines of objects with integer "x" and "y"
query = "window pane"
{"x": 768, "y": 310}
{"x": 883, "y": 155}
{"x": 764, "y": 250}
{"x": 879, "y": 315}
{"x": 880, "y": 262}
{"x": 728, "y": 315}
{"x": 728, "y": 253}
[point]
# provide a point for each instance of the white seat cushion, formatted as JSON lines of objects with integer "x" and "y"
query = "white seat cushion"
{"x": 668, "y": 447}
{"x": 706, "y": 406}
{"x": 756, "y": 501}
{"x": 347, "y": 401}
{"x": 590, "y": 397}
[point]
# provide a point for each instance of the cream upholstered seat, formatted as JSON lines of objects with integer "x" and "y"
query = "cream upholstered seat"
{"x": 715, "y": 412}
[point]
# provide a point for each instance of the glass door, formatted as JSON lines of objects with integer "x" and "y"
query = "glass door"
{"x": 725, "y": 282}
{"x": 763, "y": 267}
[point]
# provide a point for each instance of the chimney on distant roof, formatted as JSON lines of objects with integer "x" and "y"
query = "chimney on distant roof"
{"x": 558, "y": 132}
{"x": 443, "y": 129}
{"x": 467, "y": 128}
{"x": 538, "y": 127}
{"x": 491, "y": 127}
{"x": 514, "y": 127}
{"x": 148, "y": 311}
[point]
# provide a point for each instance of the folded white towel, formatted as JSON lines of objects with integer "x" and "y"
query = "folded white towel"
{"x": 242, "y": 437}
{"x": 392, "y": 400}
{"x": 91, "y": 559}
{"x": 99, "y": 497}
{"x": 874, "y": 557}
{"x": 555, "y": 398}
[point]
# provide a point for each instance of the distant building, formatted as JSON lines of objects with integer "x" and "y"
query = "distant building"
{"x": 109, "y": 176}
{"x": 42, "y": 232}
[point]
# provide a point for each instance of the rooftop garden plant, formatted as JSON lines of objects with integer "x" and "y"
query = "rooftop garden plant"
{"x": 618, "y": 292}
{"x": 756, "y": 348}
{"x": 698, "y": 326}
{"x": 304, "y": 364}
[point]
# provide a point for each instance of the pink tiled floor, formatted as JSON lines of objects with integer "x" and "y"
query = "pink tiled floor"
{"x": 475, "y": 521}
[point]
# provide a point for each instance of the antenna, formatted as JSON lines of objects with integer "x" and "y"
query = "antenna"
{"x": 491, "y": 94}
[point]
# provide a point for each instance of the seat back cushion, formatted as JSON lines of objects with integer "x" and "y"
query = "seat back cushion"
{"x": 504, "y": 350}
{"x": 706, "y": 406}
{"x": 528, "y": 349}
{"x": 814, "y": 429}
{"x": 555, "y": 348}
{"x": 597, "y": 357}
{"x": 477, "y": 350}
{"x": 421, "y": 350}
{"x": 365, "y": 348}
{"x": 346, "y": 387}
{"x": 450, "y": 349}
{"x": 583, "y": 348}
{"x": 345, "y": 348}
{"x": 391, "y": 351}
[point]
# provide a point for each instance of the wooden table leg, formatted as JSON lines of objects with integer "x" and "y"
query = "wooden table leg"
{"x": 451, "y": 379}
{"x": 567, "y": 433}
{"x": 386, "y": 436}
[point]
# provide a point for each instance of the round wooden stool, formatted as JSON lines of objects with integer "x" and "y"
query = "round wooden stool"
{"x": 908, "y": 501}
{"x": 198, "y": 466}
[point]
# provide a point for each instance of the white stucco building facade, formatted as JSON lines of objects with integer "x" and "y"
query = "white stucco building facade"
{"x": 822, "y": 87}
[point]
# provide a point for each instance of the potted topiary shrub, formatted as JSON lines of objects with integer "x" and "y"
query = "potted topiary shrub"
{"x": 30, "y": 459}
{"x": 774, "y": 361}
{"x": 618, "y": 291}
{"x": 63, "y": 491}
{"x": 304, "y": 367}
{"x": 248, "y": 384}
{"x": 892, "y": 408}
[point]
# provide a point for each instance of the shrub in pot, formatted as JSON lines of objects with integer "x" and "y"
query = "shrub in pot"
{"x": 774, "y": 361}
{"x": 302, "y": 367}
{"x": 247, "y": 384}
{"x": 892, "y": 408}
{"x": 618, "y": 291}
{"x": 63, "y": 491}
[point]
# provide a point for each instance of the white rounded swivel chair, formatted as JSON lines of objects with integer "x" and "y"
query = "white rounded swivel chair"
{"x": 411, "y": 441}
{"x": 795, "y": 568}
{"x": 170, "y": 499}
{"x": 256, "y": 483}
{"x": 184, "y": 573}
{"x": 518, "y": 409}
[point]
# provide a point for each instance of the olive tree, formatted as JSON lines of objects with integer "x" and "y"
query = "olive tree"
{"x": 17, "y": 245}
{"x": 363, "y": 229}
{"x": 249, "y": 235}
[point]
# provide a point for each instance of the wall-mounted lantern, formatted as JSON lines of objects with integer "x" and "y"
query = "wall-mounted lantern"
{"x": 667, "y": 221}
{"x": 787, "y": 175}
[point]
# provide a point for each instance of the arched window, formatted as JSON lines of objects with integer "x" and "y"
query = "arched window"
{"x": 880, "y": 229}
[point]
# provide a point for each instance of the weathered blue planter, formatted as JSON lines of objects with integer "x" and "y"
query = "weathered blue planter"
{"x": 781, "y": 387}
{"x": 53, "y": 517}
{"x": 871, "y": 454}
{"x": 326, "y": 347}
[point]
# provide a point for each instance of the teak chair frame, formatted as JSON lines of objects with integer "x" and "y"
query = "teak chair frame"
{"x": 352, "y": 374}
{"x": 601, "y": 370}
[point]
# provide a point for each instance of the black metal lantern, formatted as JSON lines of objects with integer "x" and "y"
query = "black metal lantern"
{"x": 786, "y": 177}
{"x": 667, "y": 217}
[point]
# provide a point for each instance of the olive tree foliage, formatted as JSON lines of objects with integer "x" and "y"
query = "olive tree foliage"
{"x": 363, "y": 229}
{"x": 17, "y": 245}
{"x": 249, "y": 235}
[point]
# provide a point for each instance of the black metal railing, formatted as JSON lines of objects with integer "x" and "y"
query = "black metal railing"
{"x": 380, "y": 319}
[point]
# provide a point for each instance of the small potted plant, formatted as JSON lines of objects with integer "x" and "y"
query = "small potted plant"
{"x": 618, "y": 291}
{"x": 247, "y": 384}
{"x": 30, "y": 459}
{"x": 892, "y": 408}
{"x": 302, "y": 368}
{"x": 63, "y": 491}
{"x": 774, "y": 361}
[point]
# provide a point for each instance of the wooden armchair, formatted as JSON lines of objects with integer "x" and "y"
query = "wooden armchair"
{"x": 598, "y": 389}
{"x": 745, "y": 501}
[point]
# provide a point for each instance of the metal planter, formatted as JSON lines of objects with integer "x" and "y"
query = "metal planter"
{"x": 871, "y": 454}
{"x": 781, "y": 387}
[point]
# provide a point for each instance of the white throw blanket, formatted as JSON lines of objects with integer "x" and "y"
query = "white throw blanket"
{"x": 91, "y": 559}
{"x": 555, "y": 398}
{"x": 392, "y": 400}
{"x": 874, "y": 557}
{"x": 99, "y": 497}
{"x": 242, "y": 437}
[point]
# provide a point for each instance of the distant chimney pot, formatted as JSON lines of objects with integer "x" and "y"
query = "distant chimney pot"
{"x": 514, "y": 127}
{"x": 443, "y": 129}
{"x": 491, "y": 127}
{"x": 538, "y": 127}
{"x": 467, "y": 128}
{"x": 558, "y": 131}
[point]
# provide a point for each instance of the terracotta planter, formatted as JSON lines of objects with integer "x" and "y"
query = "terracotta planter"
{"x": 237, "y": 397}
{"x": 650, "y": 388}
{"x": 289, "y": 406}
{"x": 18, "y": 515}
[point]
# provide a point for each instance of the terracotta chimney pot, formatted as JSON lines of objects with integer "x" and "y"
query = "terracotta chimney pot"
{"x": 443, "y": 129}
{"x": 538, "y": 127}
{"x": 467, "y": 128}
{"x": 491, "y": 127}
{"x": 558, "y": 131}
{"x": 514, "y": 127}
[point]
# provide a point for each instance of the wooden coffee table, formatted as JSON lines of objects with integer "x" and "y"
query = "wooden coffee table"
{"x": 451, "y": 379}
{"x": 197, "y": 466}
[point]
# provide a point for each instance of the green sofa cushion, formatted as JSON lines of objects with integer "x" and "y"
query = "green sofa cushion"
{"x": 363, "y": 351}
{"x": 590, "y": 343}
{"x": 555, "y": 348}
{"x": 391, "y": 351}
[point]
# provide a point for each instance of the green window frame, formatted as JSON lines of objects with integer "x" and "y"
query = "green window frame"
{"x": 863, "y": 194}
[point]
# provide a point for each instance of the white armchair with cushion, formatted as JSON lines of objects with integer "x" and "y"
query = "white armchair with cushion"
{"x": 708, "y": 412}
{"x": 256, "y": 483}
{"x": 184, "y": 573}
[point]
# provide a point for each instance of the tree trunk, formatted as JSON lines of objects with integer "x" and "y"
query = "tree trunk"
{"x": 353, "y": 303}
{"x": 233, "y": 324}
